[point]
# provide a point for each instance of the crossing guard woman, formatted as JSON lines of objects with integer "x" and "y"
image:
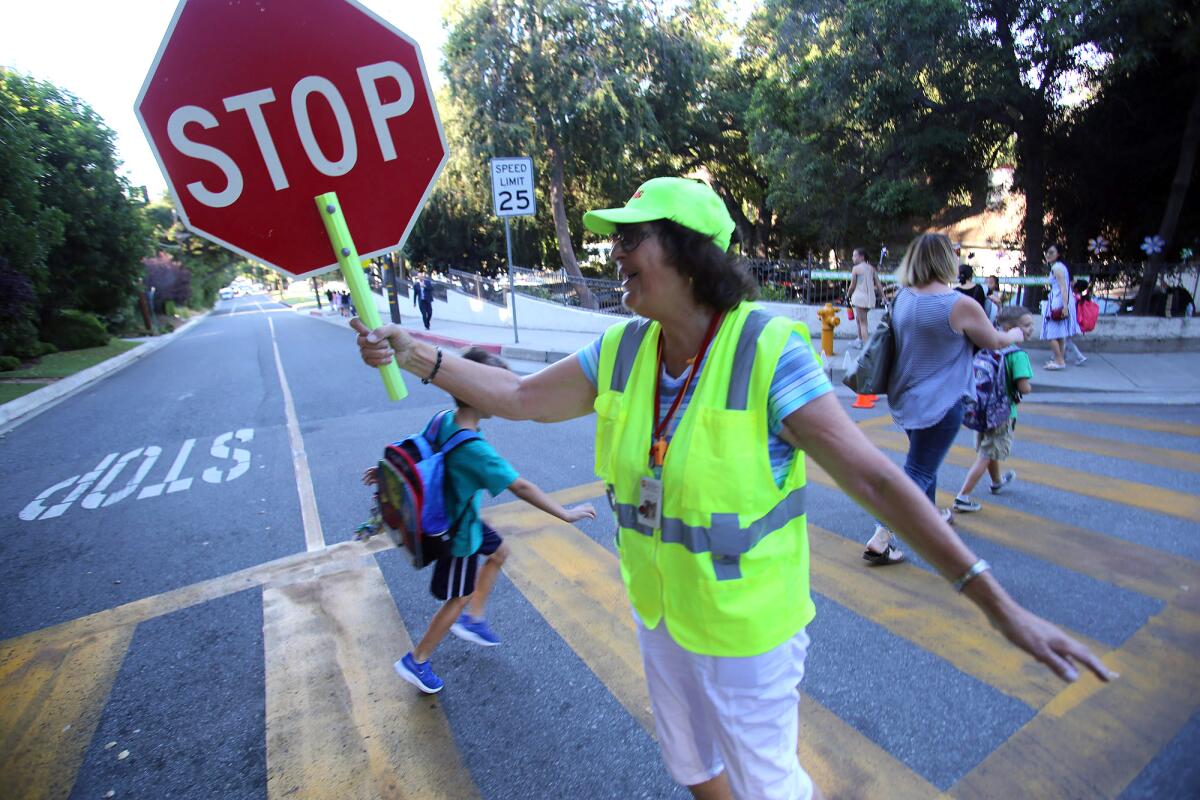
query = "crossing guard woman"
{"x": 705, "y": 406}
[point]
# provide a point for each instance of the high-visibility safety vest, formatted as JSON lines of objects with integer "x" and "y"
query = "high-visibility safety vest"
{"x": 728, "y": 568}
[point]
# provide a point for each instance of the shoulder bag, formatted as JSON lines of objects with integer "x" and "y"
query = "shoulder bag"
{"x": 870, "y": 375}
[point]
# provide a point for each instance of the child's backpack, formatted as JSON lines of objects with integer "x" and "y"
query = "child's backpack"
{"x": 990, "y": 406}
{"x": 1086, "y": 313}
{"x": 412, "y": 492}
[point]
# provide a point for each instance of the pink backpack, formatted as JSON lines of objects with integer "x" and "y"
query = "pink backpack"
{"x": 1086, "y": 312}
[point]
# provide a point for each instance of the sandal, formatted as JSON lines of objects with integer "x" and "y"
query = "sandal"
{"x": 1051, "y": 365}
{"x": 889, "y": 556}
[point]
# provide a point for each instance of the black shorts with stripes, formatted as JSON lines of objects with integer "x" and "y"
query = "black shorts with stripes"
{"x": 455, "y": 576}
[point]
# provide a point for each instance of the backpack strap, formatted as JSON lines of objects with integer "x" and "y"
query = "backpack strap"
{"x": 461, "y": 437}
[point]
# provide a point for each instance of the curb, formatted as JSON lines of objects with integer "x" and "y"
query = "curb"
{"x": 16, "y": 410}
{"x": 514, "y": 352}
{"x": 519, "y": 353}
{"x": 459, "y": 344}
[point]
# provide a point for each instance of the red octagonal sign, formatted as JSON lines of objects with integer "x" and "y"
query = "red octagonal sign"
{"x": 255, "y": 107}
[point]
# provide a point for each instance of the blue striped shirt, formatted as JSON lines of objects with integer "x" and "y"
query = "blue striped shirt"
{"x": 799, "y": 379}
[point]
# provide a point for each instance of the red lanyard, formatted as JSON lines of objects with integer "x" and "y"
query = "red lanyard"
{"x": 658, "y": 449}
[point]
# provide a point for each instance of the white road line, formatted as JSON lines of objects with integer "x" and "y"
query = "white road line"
{"x": 314, "y": 537}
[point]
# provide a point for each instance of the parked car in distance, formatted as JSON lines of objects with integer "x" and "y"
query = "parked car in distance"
{"x": 226, "y": 293}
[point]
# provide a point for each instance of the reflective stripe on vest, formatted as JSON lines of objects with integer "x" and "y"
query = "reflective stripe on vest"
{"x": 743, "y": 360}
{"x": 631, "y": 340}
{"x": 726, "y": 539}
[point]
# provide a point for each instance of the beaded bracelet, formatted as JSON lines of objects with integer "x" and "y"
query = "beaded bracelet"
{"x": 436, "y": 366}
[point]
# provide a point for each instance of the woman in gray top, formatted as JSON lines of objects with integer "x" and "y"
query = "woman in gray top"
{"x": 935, "y": 328}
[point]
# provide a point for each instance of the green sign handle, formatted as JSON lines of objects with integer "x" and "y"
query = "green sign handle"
{"x": 343, "y": 247}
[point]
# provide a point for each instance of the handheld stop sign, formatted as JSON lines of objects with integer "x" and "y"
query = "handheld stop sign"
{"x": 282, "y": 126}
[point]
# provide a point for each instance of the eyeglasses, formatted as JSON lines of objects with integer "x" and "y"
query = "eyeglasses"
{"x": 629, "y": 239}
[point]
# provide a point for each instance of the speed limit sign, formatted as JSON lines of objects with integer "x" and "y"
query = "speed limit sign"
{"x": 512, "y": 187}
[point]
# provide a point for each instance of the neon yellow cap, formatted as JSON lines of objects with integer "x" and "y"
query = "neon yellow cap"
{"x": 692, "y": 204}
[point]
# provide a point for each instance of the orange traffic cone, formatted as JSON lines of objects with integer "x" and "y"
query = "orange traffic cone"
{"x": 864, "y": 401}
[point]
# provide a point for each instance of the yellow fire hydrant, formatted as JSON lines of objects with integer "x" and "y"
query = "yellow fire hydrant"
{"x": 829, "y": 321}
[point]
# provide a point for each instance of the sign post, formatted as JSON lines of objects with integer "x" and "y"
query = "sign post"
{"x": 254, "y": 110}
{"x": 389, "y": 288}
{"x": 513, "y": 196}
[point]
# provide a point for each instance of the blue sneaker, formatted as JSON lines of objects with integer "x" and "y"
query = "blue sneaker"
{"x": 475, "y": 630}
{"x": 419, "y": 675}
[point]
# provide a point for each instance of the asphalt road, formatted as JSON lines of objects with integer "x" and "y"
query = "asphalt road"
{"x": 185, "y": 613}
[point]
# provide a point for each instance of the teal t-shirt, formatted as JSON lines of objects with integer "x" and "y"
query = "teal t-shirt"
{"x": 1017, "y": 366}
{"x": 470, "y": 469}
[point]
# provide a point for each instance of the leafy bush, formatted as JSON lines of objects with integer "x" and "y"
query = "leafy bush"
{"x": 128, "y": 320}
{"x": 170, "y": 280}
{"x": 9, "y": 363}
{"x": 18, "y": 335}
{"x": 774, "y": 293}
{"x": 169, "y": 308}
{"x": 75, "y": 330}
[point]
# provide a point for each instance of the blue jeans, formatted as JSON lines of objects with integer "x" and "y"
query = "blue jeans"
{"x": 927, "y": 449}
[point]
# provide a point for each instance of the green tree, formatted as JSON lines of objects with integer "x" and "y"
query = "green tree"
{"x": 699, "y": 67}
{"x": 1111, "y": 171}
{"x": 457, "y": 228}
{"x": 1035, "y": 60}
{"x": 96, "y": 266}
{"x": 864, "y": 117}
{"x": 29, "y": 229}
{"x": 1156, "y": 37}
{"x": 210, "y": 265}
{"x": 902, "y": 104}
{"x": 563, "y": 82}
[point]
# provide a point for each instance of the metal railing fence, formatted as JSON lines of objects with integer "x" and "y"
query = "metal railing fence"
{"x": 1113, "y": 284}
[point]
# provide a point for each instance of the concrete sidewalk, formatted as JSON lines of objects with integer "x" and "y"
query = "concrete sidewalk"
{"x": 1171, "y": 378}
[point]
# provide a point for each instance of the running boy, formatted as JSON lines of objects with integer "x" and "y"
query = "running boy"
{"x": 470, "y": 468}
{"x": 995, "y": 445}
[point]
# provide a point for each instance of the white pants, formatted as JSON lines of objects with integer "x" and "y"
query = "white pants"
{"x": 738, "y": 715}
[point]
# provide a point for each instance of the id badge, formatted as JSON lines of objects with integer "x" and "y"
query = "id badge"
{"x": 649, "y": 510}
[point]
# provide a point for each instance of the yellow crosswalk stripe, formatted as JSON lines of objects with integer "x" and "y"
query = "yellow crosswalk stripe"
{"x": 1116, "y": 420}
{"x": 1106, "y": 558}
{"x": 1094, "y": 739}
{"x": 1102, "y": 487}
{"x": 136, "y": 611}
{"x": 51, "y": 697}
{"x": 1108, "y": 448}
{"x": 340, "y": 723}
{"x": 918, "y": 606}
{"x": 574, "y": 584}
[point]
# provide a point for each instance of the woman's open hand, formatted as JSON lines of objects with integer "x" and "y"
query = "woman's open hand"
{"x": 1044, "y": 641}
{"x": 584, "y": 511}
{"x": 378, "y": 347}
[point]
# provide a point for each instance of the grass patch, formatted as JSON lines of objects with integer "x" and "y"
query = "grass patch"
{"x": 60, "y": 365}
{"x": 11, "y": 391}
